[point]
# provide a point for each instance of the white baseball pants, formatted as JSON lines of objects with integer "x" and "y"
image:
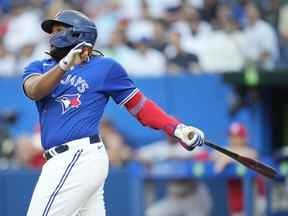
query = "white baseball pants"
{"x": 71, "y": 183}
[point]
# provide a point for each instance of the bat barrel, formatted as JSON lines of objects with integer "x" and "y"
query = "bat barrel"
{"x": 255, "y": 165}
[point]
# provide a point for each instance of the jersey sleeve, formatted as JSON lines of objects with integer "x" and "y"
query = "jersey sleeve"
{"x": 118, "y": 85}
{"x": 32, "y": 69}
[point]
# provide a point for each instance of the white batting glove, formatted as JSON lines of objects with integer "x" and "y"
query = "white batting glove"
{"x": 189, "y": 136}
{"x": 74, "y": 56}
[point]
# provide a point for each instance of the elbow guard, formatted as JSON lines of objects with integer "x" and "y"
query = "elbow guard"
{"x": 150, "y": 114}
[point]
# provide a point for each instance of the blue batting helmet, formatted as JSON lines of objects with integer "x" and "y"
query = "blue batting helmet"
{"x": 79, "y": 28}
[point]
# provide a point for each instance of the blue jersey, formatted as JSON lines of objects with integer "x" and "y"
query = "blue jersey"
{"x": 75, "y": 106}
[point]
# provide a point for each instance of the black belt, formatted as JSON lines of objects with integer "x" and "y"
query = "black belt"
{"x": 62, "y": 148}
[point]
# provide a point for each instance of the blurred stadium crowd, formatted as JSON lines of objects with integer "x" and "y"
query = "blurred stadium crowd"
{"x": 151, "y": 38}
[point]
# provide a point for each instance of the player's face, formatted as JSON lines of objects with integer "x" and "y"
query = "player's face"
{"x": 237, "y": 141}
{"x": 57, "y": 28}
{"x": 57, "y": 53}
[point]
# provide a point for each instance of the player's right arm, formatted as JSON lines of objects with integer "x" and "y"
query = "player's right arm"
{"x": 38, "y": 85}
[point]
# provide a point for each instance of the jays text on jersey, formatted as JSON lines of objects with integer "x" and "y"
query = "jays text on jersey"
{"x": 74, "y": 108}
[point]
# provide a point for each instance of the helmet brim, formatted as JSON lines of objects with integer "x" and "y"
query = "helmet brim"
{"x": 47, "y": 25}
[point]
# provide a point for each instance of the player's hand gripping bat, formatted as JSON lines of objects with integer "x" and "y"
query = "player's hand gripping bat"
{"x": 255, "y": 165}
{"x": 79, "y": 54}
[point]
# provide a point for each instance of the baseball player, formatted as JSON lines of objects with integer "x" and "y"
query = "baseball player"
{"x": 71, "y": 90}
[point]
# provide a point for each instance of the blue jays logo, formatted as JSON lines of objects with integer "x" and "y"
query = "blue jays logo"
{"x": 69, "y": 101}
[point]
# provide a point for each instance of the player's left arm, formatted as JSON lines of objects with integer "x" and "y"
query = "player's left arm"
{"x": 124, "y": 92}
{"x": 151, "y": 115}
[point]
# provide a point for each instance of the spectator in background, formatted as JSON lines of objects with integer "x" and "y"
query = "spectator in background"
{"x": 283, "y": 37}
{"x": 122, "y": 28}
{"x": 130, "y": 9}
{"x": 209, "y": 10}
{"x": 105, "y": 14}
{"x": 173, "y": 14}
{"x": 7, "y": 62}
{"x": 159, "y": 8}
{"x": 159, "y": 41}
{"x": 194, "y": 27}
{"x": 185, "y": 198}
{"x": 198, "y": 4}
{"x": 4, "y": 5}
{"x": 55, "y": 6}
{"x": 195, "y": 33}
{"x": 29, "y": 151}
{"x": 270, "y": 10}
{"x": 7, "y": 144}
{"x": 25, "y": 56}
{"x": 179, "y": 61}
{"x": 261, "y": 45}
{"x": 118, "y": 151}
{"x": 23, "y": 27}
{"x": 214, "y": 48}
{"x": 238, "y": 142}
{"x": 141, "y": 27}
{"x": 3, "y": 23}
{"x": 118, "y": 49}
{"x": 146, "y": 62}
{"x": 228, "y": 41}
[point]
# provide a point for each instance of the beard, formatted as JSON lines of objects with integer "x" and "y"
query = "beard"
{"x": 59, "y": 53}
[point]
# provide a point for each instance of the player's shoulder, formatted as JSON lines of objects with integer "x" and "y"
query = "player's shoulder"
{"x": 41, "y": 62}
{"x": 107, "y": 61}
{"x": 110, "y": 66}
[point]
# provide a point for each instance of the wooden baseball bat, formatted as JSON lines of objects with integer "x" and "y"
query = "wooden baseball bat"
{"x": 255, "y": 165}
